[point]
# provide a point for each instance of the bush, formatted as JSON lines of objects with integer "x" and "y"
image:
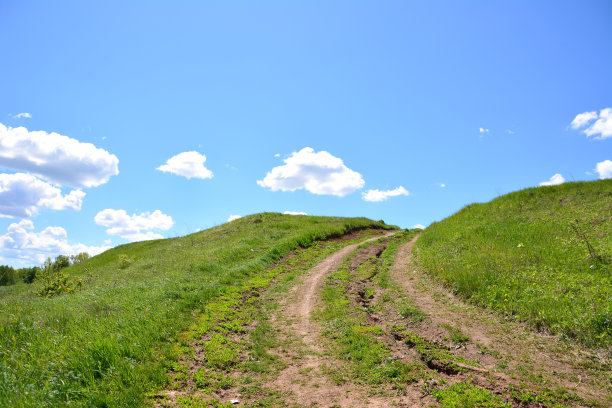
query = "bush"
{"x": 124, "y": 261}
{"x": 55, "y": 281}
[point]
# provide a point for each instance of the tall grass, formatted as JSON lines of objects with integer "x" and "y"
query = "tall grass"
{"x": 542, "y": 255}
{"x": 108, "y": 344}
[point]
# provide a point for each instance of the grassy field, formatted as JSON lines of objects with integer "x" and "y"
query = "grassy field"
{"x": 541, "y": 255}
{"x": 109, "y": 343}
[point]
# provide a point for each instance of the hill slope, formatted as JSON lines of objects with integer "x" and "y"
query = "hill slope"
{"x": 542, "y": 255}
{"x": 108, "y": 343}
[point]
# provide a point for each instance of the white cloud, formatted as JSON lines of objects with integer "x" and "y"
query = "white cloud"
{"x": 378, "y": 195}
{"x": 22, "y": 245}
{"x": 56, "y": 158}
{"x": 277, "y": 155}
{"x": 510, "y": 132}
{"x": 134, "y": 227}
{"x": 442, "y": 185}
{"x": 600, "y": 129}
{"x": 23, "y": 195}
{"x": 604, "y": 169}
{"x": 318, "y": 173}
{"x": 294, "y": 213}
{"x": 554, "y": 180}
{"x": 582, "y": 119}
{"x": 187, "y": 164}
{"x": 418, "y": 226}
{"x": 233, "y": 217}
{"x": 22, "y": 115}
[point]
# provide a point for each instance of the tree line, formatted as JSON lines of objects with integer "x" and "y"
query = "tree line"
{"x": 10, "y": 275}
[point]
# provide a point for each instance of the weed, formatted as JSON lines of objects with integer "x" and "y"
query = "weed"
{"x": 456, "y": 335}
{"x": 407, "y": 310}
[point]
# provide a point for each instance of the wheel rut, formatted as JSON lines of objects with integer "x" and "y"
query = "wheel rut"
{"x": 304, "y": 380}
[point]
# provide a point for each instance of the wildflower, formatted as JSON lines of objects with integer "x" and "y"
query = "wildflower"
{"x": 520, "y": 245}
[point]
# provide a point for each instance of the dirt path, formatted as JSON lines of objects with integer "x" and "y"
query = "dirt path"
{"x": 304, "y": 379}
{"x": 432, "y": 337}
{"x": 508, "y": 351}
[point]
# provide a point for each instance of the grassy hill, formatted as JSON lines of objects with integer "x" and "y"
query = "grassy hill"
{"x": 109, "y": 343}
{"x": 541, "y": 255}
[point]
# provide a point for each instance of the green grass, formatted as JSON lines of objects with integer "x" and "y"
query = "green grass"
{"x": 541, "y": 255}
{"x": 464, "y": 394}
{"x": 110, "y": 343}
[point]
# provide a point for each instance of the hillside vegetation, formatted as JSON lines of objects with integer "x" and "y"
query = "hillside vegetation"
{"x": 109, "y": 342}
{"x": 541, "y": 255}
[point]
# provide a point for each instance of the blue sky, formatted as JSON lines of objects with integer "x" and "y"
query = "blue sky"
{"x": 295, "y": 106}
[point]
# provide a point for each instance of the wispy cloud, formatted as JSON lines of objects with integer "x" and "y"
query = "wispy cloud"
{"x": 378, "y": 195}
{"x": 510, "y": 132}
{"x": 483, "y": 132}
{"x": 594, "y": 125}
{"x": 25, "y": 115}
{"x": 233, "y": 217}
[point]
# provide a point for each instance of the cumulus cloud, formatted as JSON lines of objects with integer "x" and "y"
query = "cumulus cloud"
{"x": 294, "y": 213}
{"x": 134, "y": 227}
{"x": 26, "y": 247}
{"x": 594, "y": 125}
{"x": 22, "y": 115}
{"x": 56, "y": 158}
{"x": 418, "y": 226}
{"x": 378, "y": 195}
{"x": 233, "y": 217}
{"x": 187, "y": 164}
{"x": 554, "y": 180}
{"x": 604, "y": 169}
{"x": 24, "y": 195}
{"x": 318, "y": 173}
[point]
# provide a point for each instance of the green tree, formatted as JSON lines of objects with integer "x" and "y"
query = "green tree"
{"x": 7, "y": 275}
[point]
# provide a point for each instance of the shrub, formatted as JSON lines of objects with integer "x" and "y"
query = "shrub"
{"x": 124, "y": 261}
{"x": 55, "y": 281}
